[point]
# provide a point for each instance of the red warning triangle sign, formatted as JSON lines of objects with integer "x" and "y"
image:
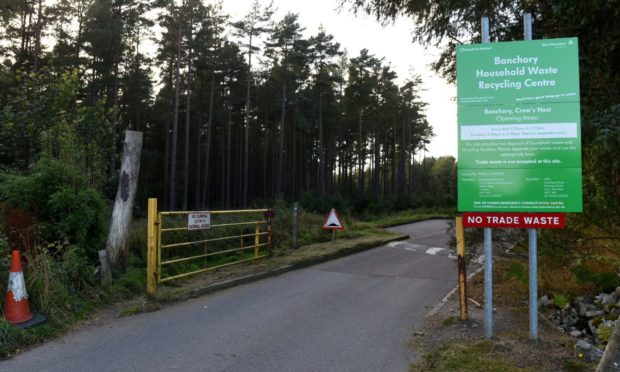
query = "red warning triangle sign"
{"x": 333, "y": 221}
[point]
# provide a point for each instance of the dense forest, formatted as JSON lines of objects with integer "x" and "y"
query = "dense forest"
{"x": 241, "y": 112}
{"x": 235, "y": 112}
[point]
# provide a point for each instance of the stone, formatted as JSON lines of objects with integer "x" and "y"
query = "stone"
{"x": 556, "y": 318}
{"x": 617, "y": 292}
{"x": 588, "y": 352}
{"x": 570, "y": 316}
{"x": 576, "y": 334}
{"x": 545, "y": 302}
{"x": 584, "y": 307}
{"x": 584, "y": 299}
{"x": 607, "y": 299}
{"x": 594, "y": 313}
{"x": 593, "y": 326}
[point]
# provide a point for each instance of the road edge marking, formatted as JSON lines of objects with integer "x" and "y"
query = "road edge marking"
{"x": 443, "y": 301}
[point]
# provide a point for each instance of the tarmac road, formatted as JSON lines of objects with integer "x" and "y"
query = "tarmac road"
{"x": 350, "y": 314}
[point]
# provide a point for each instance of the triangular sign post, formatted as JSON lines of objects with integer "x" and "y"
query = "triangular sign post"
{"x": 333, "y": 221}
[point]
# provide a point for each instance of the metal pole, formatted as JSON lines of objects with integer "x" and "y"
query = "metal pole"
{"x": 488, "y": 283}
{"x": 533, "y": 284}
{"x": 488, "y": 244}
{"x": 533, "y": 254}
{"x": 485, "y": 30}
{"x": 527, "y": 26}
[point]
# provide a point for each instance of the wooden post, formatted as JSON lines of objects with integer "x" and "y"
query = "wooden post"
{"x": 256, "y": 240}
{"x": 125, "y": 195}
{"x": 151, "y": 248}
{"x": 269, "y": 234}
{"x": 295, "y": 224}
{"x": 104, "y": 268}
{"x": 460, "y": 253}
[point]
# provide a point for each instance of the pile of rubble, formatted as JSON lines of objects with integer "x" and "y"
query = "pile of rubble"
{"x": 590, "y": 320}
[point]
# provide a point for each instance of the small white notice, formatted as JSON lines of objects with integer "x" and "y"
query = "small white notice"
{"x": 198, "y": 221}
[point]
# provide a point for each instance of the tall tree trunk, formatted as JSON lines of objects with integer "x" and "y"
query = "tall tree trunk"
{"x": 294, "y": 169}
{"x": 175, "y": 122}
{"x": 222, "y": 198}
{"x": 37, "y": 40}
{"x": 246, "y": 152}
{"x": 361, "y": 155}
{"x": 187, "y": 120}
{"x": 386, "y": 178}
{"x": 197, "y": 159}
{"x": 241, "y": 162}
{"x": 228, "y": 163}
{"x": 137, "y": 102}
{"x": 321, "y": 148}
{"x": 265, "y": 164}
{"x": 302, "y": 158}
{"x": 393, "y": 165}
{"x": 377, "y": 159}
{"x": 167, "y": 149}
{"x": 117, "y": 246}
{"x": 401, "y": 160}
{"x": 21, "y": 55}
{"x": 78, "y": 36}
{"x": 210, "y": 127}
{"x": 280, "y": 172}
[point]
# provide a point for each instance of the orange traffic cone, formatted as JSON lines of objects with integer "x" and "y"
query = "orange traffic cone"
{"x": 16, "y": 309}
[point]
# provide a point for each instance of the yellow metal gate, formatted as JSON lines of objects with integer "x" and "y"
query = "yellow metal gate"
{"x": 184, "y": 243}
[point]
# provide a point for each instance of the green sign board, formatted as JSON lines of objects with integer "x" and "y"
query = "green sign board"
{"x": 519, "y": 127}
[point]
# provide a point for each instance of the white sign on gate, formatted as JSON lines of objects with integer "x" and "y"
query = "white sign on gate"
{"x": 199, "y": 221}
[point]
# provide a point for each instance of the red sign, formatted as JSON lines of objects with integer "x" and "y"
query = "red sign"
{"x": 515, "y": 220}
{"x": 333, "y": 221}
{"x": 269, "y": 214}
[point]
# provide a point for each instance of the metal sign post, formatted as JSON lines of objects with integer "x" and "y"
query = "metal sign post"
{"x": 533, "y": 254}
{"x": 488, "y": 241}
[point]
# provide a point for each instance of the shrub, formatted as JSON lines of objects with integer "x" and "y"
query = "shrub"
{"x": 61, "y": 201}
{"x": 605, "y": 281}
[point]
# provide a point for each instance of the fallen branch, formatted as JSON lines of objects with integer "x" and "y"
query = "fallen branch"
{"x": 474, "y": 302}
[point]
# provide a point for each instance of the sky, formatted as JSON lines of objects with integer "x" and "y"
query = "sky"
{"x": 393, "y": 42}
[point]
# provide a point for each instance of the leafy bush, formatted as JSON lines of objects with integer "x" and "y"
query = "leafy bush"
{"x": 560, "y": 300}
{"x": 61, "y": 201}
{"x": 605, "y": 281}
